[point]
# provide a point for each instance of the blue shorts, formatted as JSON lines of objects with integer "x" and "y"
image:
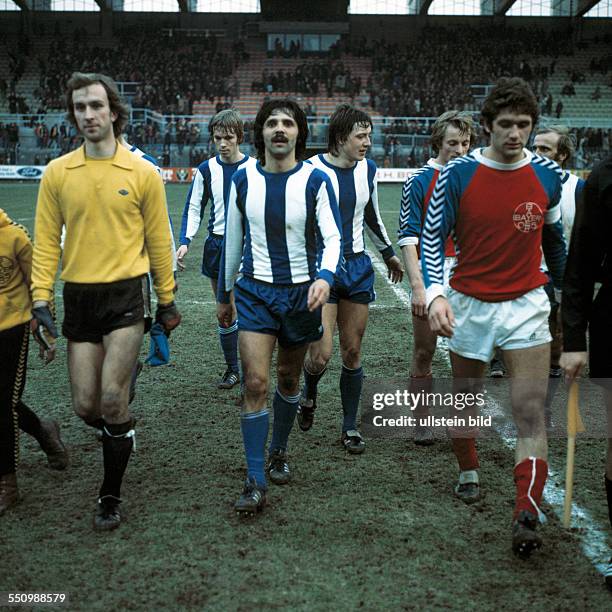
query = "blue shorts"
{"x": 277, "y": 310}
{"x": 211, "y": 259}
{"x": 355, "y": 281}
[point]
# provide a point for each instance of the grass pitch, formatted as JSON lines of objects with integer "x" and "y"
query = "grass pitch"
{"x": 380, "y": 531}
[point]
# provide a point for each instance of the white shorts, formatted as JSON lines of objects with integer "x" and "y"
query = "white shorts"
{"x": 481, "y": 327}
{"x": 449, "y": 266}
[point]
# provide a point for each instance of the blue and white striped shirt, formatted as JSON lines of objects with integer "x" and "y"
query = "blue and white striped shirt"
{"x": 281, "y": 228}
{"x": 356, "y": 190}
{"x": 211, "y": 182}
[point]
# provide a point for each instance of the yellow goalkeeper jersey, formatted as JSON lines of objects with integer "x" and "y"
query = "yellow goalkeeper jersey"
{"x": 116, "y": 222}
{"x": 15, "y": 268}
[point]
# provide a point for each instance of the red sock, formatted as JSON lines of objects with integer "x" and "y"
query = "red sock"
{"x": 465, "y": 451}
{"x": 529, "y": 477}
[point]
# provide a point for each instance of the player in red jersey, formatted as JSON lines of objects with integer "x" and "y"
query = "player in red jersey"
{"x": 502, "y": 205}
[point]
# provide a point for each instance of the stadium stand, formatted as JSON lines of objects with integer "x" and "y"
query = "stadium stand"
{"x": 396, "y": 78}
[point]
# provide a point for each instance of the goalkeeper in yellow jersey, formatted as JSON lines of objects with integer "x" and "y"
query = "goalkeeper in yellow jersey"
{"x": 113, "y": 207}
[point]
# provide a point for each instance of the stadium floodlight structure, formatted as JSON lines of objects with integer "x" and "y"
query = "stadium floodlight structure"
{"x": 553, "y": 8}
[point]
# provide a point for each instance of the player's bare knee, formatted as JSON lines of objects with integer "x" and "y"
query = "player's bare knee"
{"x": 288, "y": 381}
{"x": 529, "y": 421}
{"x": 85, "y": 409}
{"x": 255, "y": 384}
{"x": 351, "y": 357}
{"x": 113, "y": 403}
{"x": 318, "y": 361}
{"x": 86, "y": 406}
{"x": 423, "y": 356}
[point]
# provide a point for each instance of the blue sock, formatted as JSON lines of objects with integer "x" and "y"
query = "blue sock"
{"x": 228, "y": 337}
{"x": 285, "y": 409}
{"x": 350, "y": 394}
{"x": 310, "y": 383}
{"x": 254, "y": 426}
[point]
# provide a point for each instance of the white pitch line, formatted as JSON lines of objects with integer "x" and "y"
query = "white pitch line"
{"x": 594, "y": 542}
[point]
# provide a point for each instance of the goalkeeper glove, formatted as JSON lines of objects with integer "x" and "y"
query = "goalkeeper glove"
{"x": 168, "y": 316}
{"x": 43, "y": 327}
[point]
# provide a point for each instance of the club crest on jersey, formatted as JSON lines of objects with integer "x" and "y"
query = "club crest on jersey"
{"x": 528, "y": 217}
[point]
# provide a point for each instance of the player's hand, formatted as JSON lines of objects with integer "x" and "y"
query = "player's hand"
{"x": 47, "y": 355}
{"x": 395, "y": 270}
{"x": 441, "y": 317}
{"x": 168, "y": 316}
{"x": 180, "y": 256}
{"x": 44, "y": 331}
{"x": 318, "y": 294}
{"x": 225, "y": 314}
{"x": 418, "y": 303}
{"x": 572, "y": 363}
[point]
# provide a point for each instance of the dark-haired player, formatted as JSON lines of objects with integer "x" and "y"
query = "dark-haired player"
{"x": 212, "y": 182}
{"x": 451, "y": 136}
{"x": 501, "y": 204}
{"x": 282, "y": 233}
{"x": 113, "y": 206}
{"x": 354, "y": 180}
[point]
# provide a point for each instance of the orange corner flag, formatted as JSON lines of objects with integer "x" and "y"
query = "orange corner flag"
{"x": 574, "y": 420}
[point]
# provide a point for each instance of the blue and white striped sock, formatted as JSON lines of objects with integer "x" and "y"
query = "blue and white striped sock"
{"x": 285, "y": 409}
{"x": 254, "y": 427}
{"x": 228, "y": 338}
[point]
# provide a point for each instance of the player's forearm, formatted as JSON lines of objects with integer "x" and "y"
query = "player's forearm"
{"x": 413, "y": 269}
{"x": 158, "y": 241}
{"x": 377, "y": 232}
{"x": 332, "y": 255}
{"x": 47, "y": 251}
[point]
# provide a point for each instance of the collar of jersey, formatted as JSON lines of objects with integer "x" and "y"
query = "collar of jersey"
{"x": 288, "y": 173}
{"x": 321, "y": 156}
{"x": 434, "y": 164}
{"x": 240, "y": 161}
{"x": 490, "y": 163}
{"x": 122, "y": 158}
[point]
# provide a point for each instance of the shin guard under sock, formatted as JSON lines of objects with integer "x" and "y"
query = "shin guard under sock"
{"x": 228, "y": 338}
{"x": 351, "y": 382}
{"x": 530, "y": 477}
{"x": 254, "y": 427}
{"x": 117, "y": 444}
{"x": 310, "y": 383}
{"x": 285, "y": 409}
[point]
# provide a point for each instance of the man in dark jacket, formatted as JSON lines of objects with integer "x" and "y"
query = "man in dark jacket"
{"x": 590, "y": 262}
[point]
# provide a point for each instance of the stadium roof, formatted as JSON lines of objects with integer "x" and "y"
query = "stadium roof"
{"x": 512, "y": 8}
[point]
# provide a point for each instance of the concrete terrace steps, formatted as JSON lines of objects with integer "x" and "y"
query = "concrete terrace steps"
{"x": 581, "y": 104}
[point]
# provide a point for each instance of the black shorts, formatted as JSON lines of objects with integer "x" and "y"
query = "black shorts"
{"x": 600, "y": 335}
{"x": 94, "y": 310}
